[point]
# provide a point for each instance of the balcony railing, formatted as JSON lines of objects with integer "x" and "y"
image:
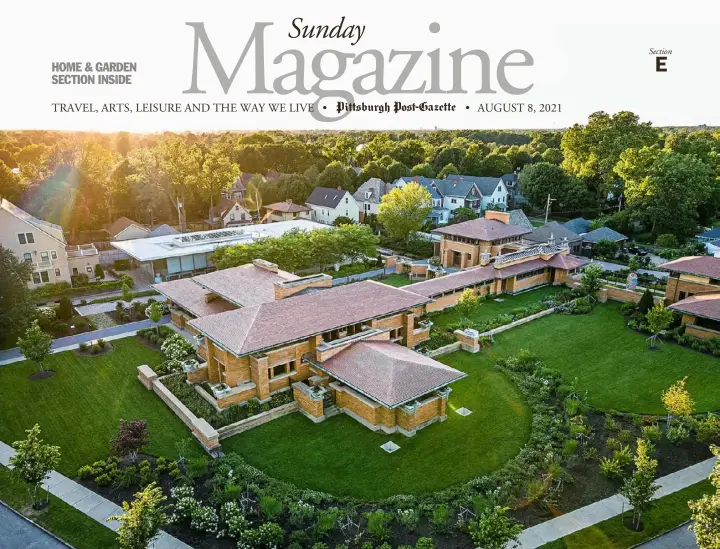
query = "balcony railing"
{"x": 81, "y": 250}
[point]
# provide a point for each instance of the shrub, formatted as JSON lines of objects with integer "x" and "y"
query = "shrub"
{"x": 610, "y": 468}
{"x": 301, "y": 513}
{"x": 651, "y": 432}
{"x": 204, "y": 518}
{"x": 409, "y": 518}
{"x": 270, "y": 506}
{"x": 625, "y": 436}
{"x": 103, "y": 480}
{"x": 127, "y": 477}
{"x": 440, "y": 519}
{"x": 85, "y": 472}
{"x": 82, "y": 346}
{"x": 611, "y": 424}
{"x": 268, "y": 536}
{"x": 176, "y": 347}
{"x": 667, "y": 240}
{"x": 677, "y": 434}
{"x": 65, "y": 309}
{"x": 570, "y": 447}
{"x": 378, "y": 525}
{"x": 235, "y": 521}
{"x": 708, "y": 429}
{"x": 425, "y": 543}
{"x": 623, "y": 456}
{"x": 628, "y": 308}
{"x": 95, "y": 349}
{"x": 101, "y": 343}
{"x": 612, "y": 443}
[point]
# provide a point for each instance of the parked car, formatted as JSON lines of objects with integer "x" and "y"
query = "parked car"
{"x": 637, "y": 251}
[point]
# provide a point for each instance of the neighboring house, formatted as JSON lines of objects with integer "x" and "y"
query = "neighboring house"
{"x": 713, "y": 247}
{"x": 461, "y": 191}
{"x": 578, "y": 225}
{"x": 43, "y": 245}
{"x": 162, "y": 230}
{"x": 356, "y": 357}
{"x": 519, "y": 219}
{"x": 124, "y": 228}
{"x": 700, "y": 314}
{"x": 187, "y": 254}
{"x": 602, "y": 233}
{"x": 690, "y": 276}
{"x": 229, "y": 213}
{"x": 237, "y": 190}
{"x": 369, "y": 195}
{"x": 286, "y": 211}
{"x": 709, "y": 235}
{"x": 515, "y": 195}
{"x": 553, "y": 232}
{"x": 329, "y": 204}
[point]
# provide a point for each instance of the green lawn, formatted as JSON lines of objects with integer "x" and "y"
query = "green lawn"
{"x": 79, "y": 530}
{"x": 80, "y": 407}
{"x": 397, "y": 280}
{"x": 343, "y": 457}
{"x": 611, "y": 362}
{"x": 670, "y": 512}
{"x": 491, "y": 308}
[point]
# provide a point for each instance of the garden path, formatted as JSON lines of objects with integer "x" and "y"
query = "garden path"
{"x": 88, "y": 502}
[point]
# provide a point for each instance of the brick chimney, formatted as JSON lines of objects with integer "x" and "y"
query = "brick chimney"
{"x": 262, "y": 264}
{"x": 503, "y": 217}
{"x": 289, "y": 288}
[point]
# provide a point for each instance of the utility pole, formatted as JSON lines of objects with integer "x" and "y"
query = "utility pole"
{"x": 547, "y": 207}
{"x": 180, "y": 205}
{"x": 619, "y": 203}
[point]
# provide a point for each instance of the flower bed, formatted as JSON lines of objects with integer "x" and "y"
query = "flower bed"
{"x": 64, "y": 288}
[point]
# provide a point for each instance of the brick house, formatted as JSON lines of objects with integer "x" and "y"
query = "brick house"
{"x": 700, "y": 314}
{"x": 691, "y": 275}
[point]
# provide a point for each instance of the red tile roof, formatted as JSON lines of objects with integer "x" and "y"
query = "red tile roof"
{"x": 245, "y": 285}
{"x": 191, "y": 297}
{"x": 389, "y": 373}
{"x": 483, "y": 229}
{"x": 704, "y": 305}
{"x": 260, "y": 327}
{"x": 703, "y": 265}
{"x": 453, "y": 281}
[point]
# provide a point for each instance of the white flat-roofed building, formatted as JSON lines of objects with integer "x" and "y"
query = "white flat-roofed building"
{"x": 181, "y": 255}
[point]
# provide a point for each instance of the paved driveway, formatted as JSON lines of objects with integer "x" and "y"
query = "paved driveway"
{"x": 16, "y": 532}
{"x": 615, "y": 267}
{"x": 680, "y": 538}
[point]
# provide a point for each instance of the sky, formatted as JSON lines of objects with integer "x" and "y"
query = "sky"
{"x": 583, "y": 60}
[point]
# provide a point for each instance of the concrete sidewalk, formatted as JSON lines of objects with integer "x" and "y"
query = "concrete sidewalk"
{"x": 88, "y": 502}
{"x": 599, "y": 511}
{"x": 71, "y": 342}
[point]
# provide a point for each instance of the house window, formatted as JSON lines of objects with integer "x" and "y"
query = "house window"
{"x": 232, "y": 217}
{"x": 53, "y": 254}
{"x": 75, "y": 270}
{"x": 346, "y": 200}
{"x": 282, "y": 369}
{"x": 89, "y": 269}
{"x": 44, "y": 257}
{"x": 44, "y": 276}
{"x": 21, "y": 238}
{"x": 30, "y": 238}
{"x": 27, "y": 257}
{"x": 57, "y": 272}
{"x": 36, "y": 278}
{"x": 453, "y": 201}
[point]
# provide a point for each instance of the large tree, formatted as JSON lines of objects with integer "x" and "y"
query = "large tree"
{"x": 666, "y": 188}
{"x": 218, "y": 173}
{"x": 404, "y": 210}
{"x": 16, "y": 308}
{"x": 569, "y": 194}
{"x": 591, "y": 151}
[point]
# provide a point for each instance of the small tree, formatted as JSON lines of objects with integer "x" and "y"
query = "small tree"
{"x": 65, "y": 308}
{"x": 35, "y": 344}
{"x": 141, "y": 519}
{"x": 667, "y": 240}
{"x": 126, "y": 293}
{"x": 677, "y": 401}
{"x": 640, "y": 487}
{"x": 343, "y": 220}
{"x": 99, "y": 273}
{"x": 706, "y": 511}
{"x": 646, "y": 301}
{"x": 155, "y": 313}
{"x": 605, "y": 248}
{"x": 493, "y": 529}
{"x": 659, "y": 319}
{"x": 466, "y": 304}
{"x": 590, "y": 281}
{"x": 131, "y": 437}
{"x": 34, "y": 460}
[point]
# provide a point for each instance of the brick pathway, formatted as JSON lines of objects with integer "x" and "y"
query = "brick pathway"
{"x": 599, "y": 511}
{"x": 88, "y": 502}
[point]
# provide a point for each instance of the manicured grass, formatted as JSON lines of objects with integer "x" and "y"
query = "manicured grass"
{"x": 397, "y": 280}
{"x": 669, "y": 512}
{"x": 490, "y": 308}
{"x": 67, "y": 523}
{"x": 611, "y": 362}
{"x": 343, "y": 457}
{"x": 80, "y": 407}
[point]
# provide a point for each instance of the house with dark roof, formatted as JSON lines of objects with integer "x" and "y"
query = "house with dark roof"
{"x": 460, "y": 191}
{"x": 124, "y": 228}
{"x": 709, "y": 235}
{"x": 690, "y": 276}
{"x": 578, "y": 225}
{"x": 369, "y": 195}
{"x": 329, "y": 204}
{"x": 286, "y": 211}
{"x": 602, "y": 233}
{"x": 162, "y": 230}
{"x": 555, "y": 232}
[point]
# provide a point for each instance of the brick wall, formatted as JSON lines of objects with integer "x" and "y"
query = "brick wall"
{"x": 237, "y": 398}
{"x": 689, "y": 286}
{"x": 255, "y": 421}
{"x": 311, "y": 406}
{"x": 365, "y": 410}
{"x": 198, "y": 376}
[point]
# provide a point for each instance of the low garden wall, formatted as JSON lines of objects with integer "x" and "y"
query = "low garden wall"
{"x": 445, "y": 350}
{"x": 255, "y": 421}
{"x": 518, "y": 322}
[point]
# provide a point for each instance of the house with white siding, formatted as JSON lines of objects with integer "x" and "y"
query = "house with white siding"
{"x": 329, "y": 204}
